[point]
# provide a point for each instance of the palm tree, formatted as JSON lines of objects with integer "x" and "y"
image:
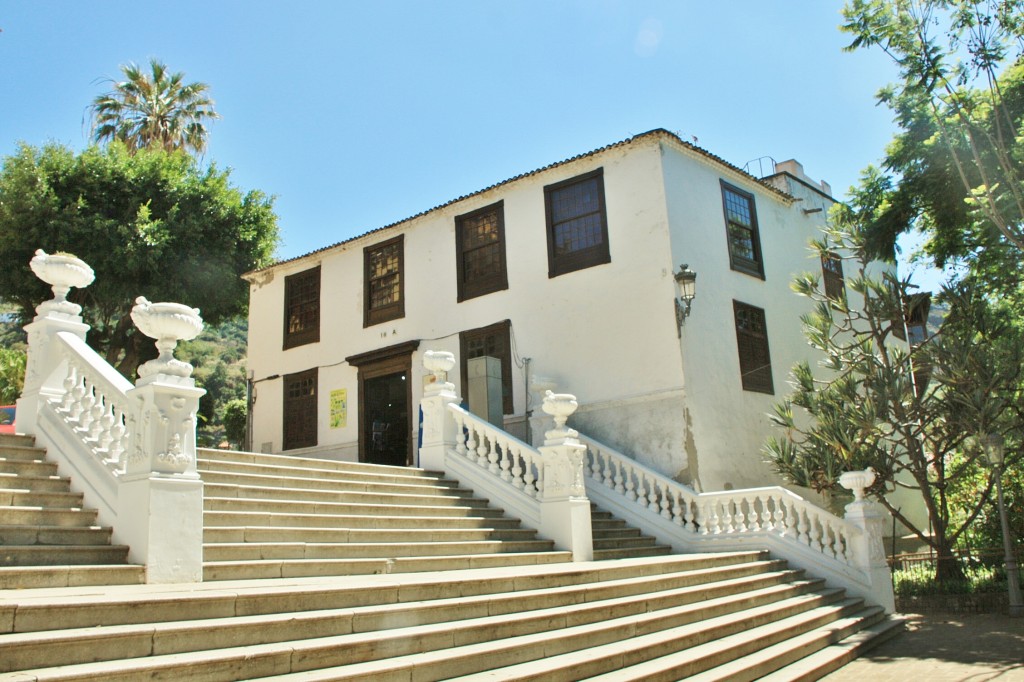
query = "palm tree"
{"x": 154, "y": 110}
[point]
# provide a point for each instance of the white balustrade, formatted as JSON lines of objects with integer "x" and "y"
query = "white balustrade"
{"x": 130, "y": 449}
{"x": 846, "y": 550}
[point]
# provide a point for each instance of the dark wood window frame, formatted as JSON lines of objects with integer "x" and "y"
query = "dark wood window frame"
{"x": 597, "y": 254}
{"x": 504, "y": 329}
{"x": 302, "y": 308}
{"x": 833, "y": 281}
{"x": 752, "y": 347}
{"x": 471, "y": 285}
{"x": 751, "y": 266}
{"x": 396, "y": 309}
{"x": 299, "y": 422}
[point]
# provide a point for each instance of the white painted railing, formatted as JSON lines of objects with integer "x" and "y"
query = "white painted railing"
{"x": 128, "y": 448}
{"x": 543, "y": 487}
{"x": 847, "y": 551}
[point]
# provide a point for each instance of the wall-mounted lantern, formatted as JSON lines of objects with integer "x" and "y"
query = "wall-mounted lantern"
{"x": 687, "y": 281}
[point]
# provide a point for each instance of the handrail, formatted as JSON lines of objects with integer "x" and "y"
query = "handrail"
{"x": 688, "y": 520}
{"x": 503, "y": 455}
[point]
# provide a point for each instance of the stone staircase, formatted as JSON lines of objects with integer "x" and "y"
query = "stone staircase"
{"x": 47, "y": 539}
{"x": 321, "y": 570}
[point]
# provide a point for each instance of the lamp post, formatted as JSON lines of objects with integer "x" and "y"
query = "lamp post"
{"x": 995, "y": 450}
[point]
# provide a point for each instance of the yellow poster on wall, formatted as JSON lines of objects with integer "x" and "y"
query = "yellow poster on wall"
{"x": 339, "y": 408}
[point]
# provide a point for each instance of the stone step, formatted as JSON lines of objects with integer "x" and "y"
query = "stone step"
{"x": 626, "y": 542}
{"x": 269, "y": 490}
{"x": 12, "y": 481}
{"x": 18, "y": 439}
{"x": 46, "y": 577}
{"x": 54, "y": 535}
{"x": 631, "y": 552}
{"x": 304, "y": 568}
{"x": 615, "y": 533}
{"x": 242, "y": 551}
{"x": 22, "y": 452}
{"x": 348, "y": 503}
{"x": 439, "y": 532}
{"x": 27, "y": 467}
{"x": 59, "y": 555}
{"x": 561, "y": 654}
{"x": 10, "y": 497}
{"x": 833, "y": 657}
{"x": 216, "y": 456}
{"x": 359, "y": 631}
{"x": 283, "y": 474}
{"x": 46, "y": 610}
{"x": 40, "y": 516}
{"x": 213, "y": 521}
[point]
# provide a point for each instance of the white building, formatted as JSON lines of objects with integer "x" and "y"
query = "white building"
{"x": 568, "y": 273}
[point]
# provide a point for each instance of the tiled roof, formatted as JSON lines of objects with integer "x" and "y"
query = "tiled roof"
{"x": 657, "y": 132}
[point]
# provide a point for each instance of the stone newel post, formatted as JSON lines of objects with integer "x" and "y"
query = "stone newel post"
{"x": 439, "y": 429}
{"x": 868, "y": 551}
{"x": 565, "y": 509}
{"x": 161, "y": 482}
{"x": 61, "y": 272}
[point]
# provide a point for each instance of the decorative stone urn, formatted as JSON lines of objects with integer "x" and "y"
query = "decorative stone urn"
{"x": 858, "y": 482}
{"x": 61, "y": 271}
{"x": 439, "y": 363}
{"x": 168, "y": 323}
{"x": 559, "y": 406}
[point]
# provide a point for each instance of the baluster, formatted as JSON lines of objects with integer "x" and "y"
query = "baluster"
{"x": 630, "y": 485}
{"x": 594, "y": 459}
{"x": 470, "y": 441}
{"x": 752, "y": 515}
{"x": 506, "y": 463}
{"x": 107, "y": 424}
{"x": 802, "y": 526}
{"x": 815, "y": 533}
{"x": 117, "y": 440}
{"x": 517, "y": 469}
{"x": 688, "y": 515}
{"x": 78, "y": 394}
{"x": 98, "y": 410}
{"x": 652, "y": 494}
{"x": 830, "y": 538}
{"x": 666, "y": 504}
{"x": 609, "y": 472}
{"x": 619, "y": 488}
{"x": 481, "y": 449}
{"x": 779, "y": 517}
{"x": 69, "y": 386}
{"x": 85, "y": 418}
{"x": 460, "y": 434}
{"x": 538, "y": 481}
{"x": 715, "y": 520}
{"x": 528, "y": 478}
{"x": 766, "y": 513}
{"x": 492, "y": 456}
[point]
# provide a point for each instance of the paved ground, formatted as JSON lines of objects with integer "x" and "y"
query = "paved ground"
{"x": 945, "y": 648}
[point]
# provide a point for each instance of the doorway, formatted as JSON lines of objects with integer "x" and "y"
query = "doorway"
{"x": 385, "y": 404}
{"x": 385, "y": 423}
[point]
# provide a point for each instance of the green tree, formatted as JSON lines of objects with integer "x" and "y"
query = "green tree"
{"x": 12, "y": 374}
{"x": 152, "y": 223}
{"x": 234, "y": 416}
{"x": 155, "y": 109}
{"x": 959, "y": 102}
{"x": 904, "y": 410}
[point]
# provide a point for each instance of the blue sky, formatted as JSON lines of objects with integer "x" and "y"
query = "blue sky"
{"x": 358, "y": 114}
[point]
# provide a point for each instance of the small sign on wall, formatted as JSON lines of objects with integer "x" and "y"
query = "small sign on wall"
{"x": 339, "y": 408}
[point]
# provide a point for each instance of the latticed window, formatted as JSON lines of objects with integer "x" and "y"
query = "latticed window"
{"x": 383, "y": 282}
{"x": 300, "y": 417}
{"x": 577, "y": 224}
{"x": 752, "y": 342}
{"x": 480, "y": 238}
{"x": 302, "y": 308}
{"x": 741, "y": 224}
{"x": 493, "y": 341}
{"x": 832, "y": 274}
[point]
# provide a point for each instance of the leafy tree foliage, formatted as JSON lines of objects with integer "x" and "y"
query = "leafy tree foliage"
{"x": 12, "y": 374}
{"x": 155, "y": 109}
{"x": 234, "y": 416}
{"x": 960, "y": 104}
{"x": 904, "y": 410}
{"x": 152, "y": 223}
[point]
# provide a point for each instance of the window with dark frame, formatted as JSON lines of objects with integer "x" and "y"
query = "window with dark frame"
{"x": 495, "y": 341}
{"x": 752, "y": 342}
{"x": 300, "y": 410}
{"x": 302, "y": 308}
{"x": 480, "y": 246}
{"x": 577, "y": 224}
{"x": 832, "y": 275}
{"x": 384, "y": 288}
{"x": 741, "y": 227}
